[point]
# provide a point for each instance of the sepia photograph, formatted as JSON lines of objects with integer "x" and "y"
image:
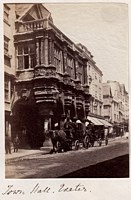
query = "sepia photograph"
{"x": 66, "y": 91}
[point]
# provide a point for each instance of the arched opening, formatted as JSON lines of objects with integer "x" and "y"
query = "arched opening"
{"x": 27, "y": 124}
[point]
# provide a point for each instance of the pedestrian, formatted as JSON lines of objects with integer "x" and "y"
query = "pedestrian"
{"x": 7, "y": 144}
{"x": 16, "y": 143}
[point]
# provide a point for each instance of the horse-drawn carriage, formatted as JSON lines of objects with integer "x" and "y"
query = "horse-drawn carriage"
{"x": 69, "y": 137}
{"x": 75, "y": 134}
{"x": 97, "y": 134}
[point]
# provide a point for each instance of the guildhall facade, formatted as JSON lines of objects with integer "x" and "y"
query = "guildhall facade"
{"x": 51, "y": 76}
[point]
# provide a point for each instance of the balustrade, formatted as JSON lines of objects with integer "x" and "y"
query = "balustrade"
{"x": 32, "y": 25}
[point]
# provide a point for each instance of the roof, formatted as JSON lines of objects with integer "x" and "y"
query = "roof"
{"x": 21, "y": 8}
{"x": 38, "y": 11}
{"x": 106, "y": 89}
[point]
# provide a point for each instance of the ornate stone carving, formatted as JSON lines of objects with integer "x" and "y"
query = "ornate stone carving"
{"x": 79, "y": 102}
{"x": 45, "y": 70}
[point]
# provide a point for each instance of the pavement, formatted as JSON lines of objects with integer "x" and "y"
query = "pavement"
{"x": 43, "y": 150}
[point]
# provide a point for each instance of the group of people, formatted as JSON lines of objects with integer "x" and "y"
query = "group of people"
{"x": 8, "y": 144}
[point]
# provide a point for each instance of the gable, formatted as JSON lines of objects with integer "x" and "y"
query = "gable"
{"x": 29, "y": 12}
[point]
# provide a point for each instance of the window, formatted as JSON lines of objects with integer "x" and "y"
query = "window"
{"x": 106, "y": 107}
{"x": 58, "y": 59}
{"x": 6, "y": 13}
{"x": 6, "y": 44}
{"x": 95, "y": 93}
{"x": 6, "y": 82}
{"x": 70, "y": 66}
{"x": 26, "y": 56}
{"x": 81, "y": 73}
{"x": 105, "y": 96}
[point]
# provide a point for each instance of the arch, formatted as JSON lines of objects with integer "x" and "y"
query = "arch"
{"x": 25, "y": 123}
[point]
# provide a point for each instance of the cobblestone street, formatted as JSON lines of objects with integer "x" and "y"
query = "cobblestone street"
{"x": 42, "y": 165}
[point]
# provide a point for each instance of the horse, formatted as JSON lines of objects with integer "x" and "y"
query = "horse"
{"x": 59, "y": 141}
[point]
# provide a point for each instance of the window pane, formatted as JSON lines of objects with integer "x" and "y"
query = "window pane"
{"x": 6, "y": 95}
{"x": 32, "y": 48}
{"x": 26, "y": 62}
{"x": 6, "y": 44}
{"x": 6, "y": 84}
{"x": 32, "y": 58}
{"x": 25, "y": 49}
{"x": 20, "y": 62}
{"x": 19, "y": 50}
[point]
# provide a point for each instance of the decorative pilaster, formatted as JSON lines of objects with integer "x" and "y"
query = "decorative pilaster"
{"x": 50, "y": 50}
{"x": 42, "y": 51}
{"x": 37, "y": 52}
{"x": 76, "y": 67}
{"x": 65, "y": 59}
{"x": 85, "y": 73}
{"x": 46, "y": 48}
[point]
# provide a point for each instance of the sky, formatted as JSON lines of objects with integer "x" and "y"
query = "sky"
{"x": 103, "y": 29}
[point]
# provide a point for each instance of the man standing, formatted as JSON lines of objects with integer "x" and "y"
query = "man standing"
{"x": 16, "y": 143}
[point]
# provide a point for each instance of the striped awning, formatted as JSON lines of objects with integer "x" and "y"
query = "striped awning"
{"x": 105, "y": 123}
{"x": 95, "y": 121}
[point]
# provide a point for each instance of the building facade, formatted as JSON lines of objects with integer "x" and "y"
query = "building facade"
{"x": 107, "y": 102}
{"x": 9, "y": 61}
{"x": 95, "y": 83}
{"x": 50, "y": 76}
{"x": 118, "y": 102}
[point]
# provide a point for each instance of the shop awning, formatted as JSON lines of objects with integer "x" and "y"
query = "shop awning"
{"x": 105, "y": 123}
{"x": 95, "y": 121}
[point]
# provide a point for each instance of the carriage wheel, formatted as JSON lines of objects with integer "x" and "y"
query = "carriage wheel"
{"x": 86, "y": 142}
{"x": 77, "y": 144}
{"x": 58, "y": 146}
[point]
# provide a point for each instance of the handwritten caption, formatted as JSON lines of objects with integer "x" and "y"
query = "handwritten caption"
{"x": 39, "y": 189}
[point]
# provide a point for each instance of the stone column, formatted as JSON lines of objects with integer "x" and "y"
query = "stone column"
{"x": 37, "y": 52}
{"x": 76, "y": 67}
{"x": 50, "y": 50}
{"x": 85, "y": 73}
{"x": 46, "y": 48}
{"x": 65, "y": 59}
{"x": 46, "y": 123}
{"x": 42, "y": 51}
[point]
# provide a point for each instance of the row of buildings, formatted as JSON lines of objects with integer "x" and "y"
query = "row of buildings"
{"x": 48, "y": 77}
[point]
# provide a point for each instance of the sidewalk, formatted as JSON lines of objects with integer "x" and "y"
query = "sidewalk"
{"x": 21, "y": 153}
{"x": 43, "y": 150}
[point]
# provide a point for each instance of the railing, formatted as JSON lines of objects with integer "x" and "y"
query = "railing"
{"x": 32, "y": 25}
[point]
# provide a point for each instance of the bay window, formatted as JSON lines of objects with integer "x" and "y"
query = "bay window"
{"x": 26, "y": 56}
{"x": 58, "y": 59}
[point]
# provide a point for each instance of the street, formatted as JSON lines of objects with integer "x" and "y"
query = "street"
{"x": 57, "y": 165}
